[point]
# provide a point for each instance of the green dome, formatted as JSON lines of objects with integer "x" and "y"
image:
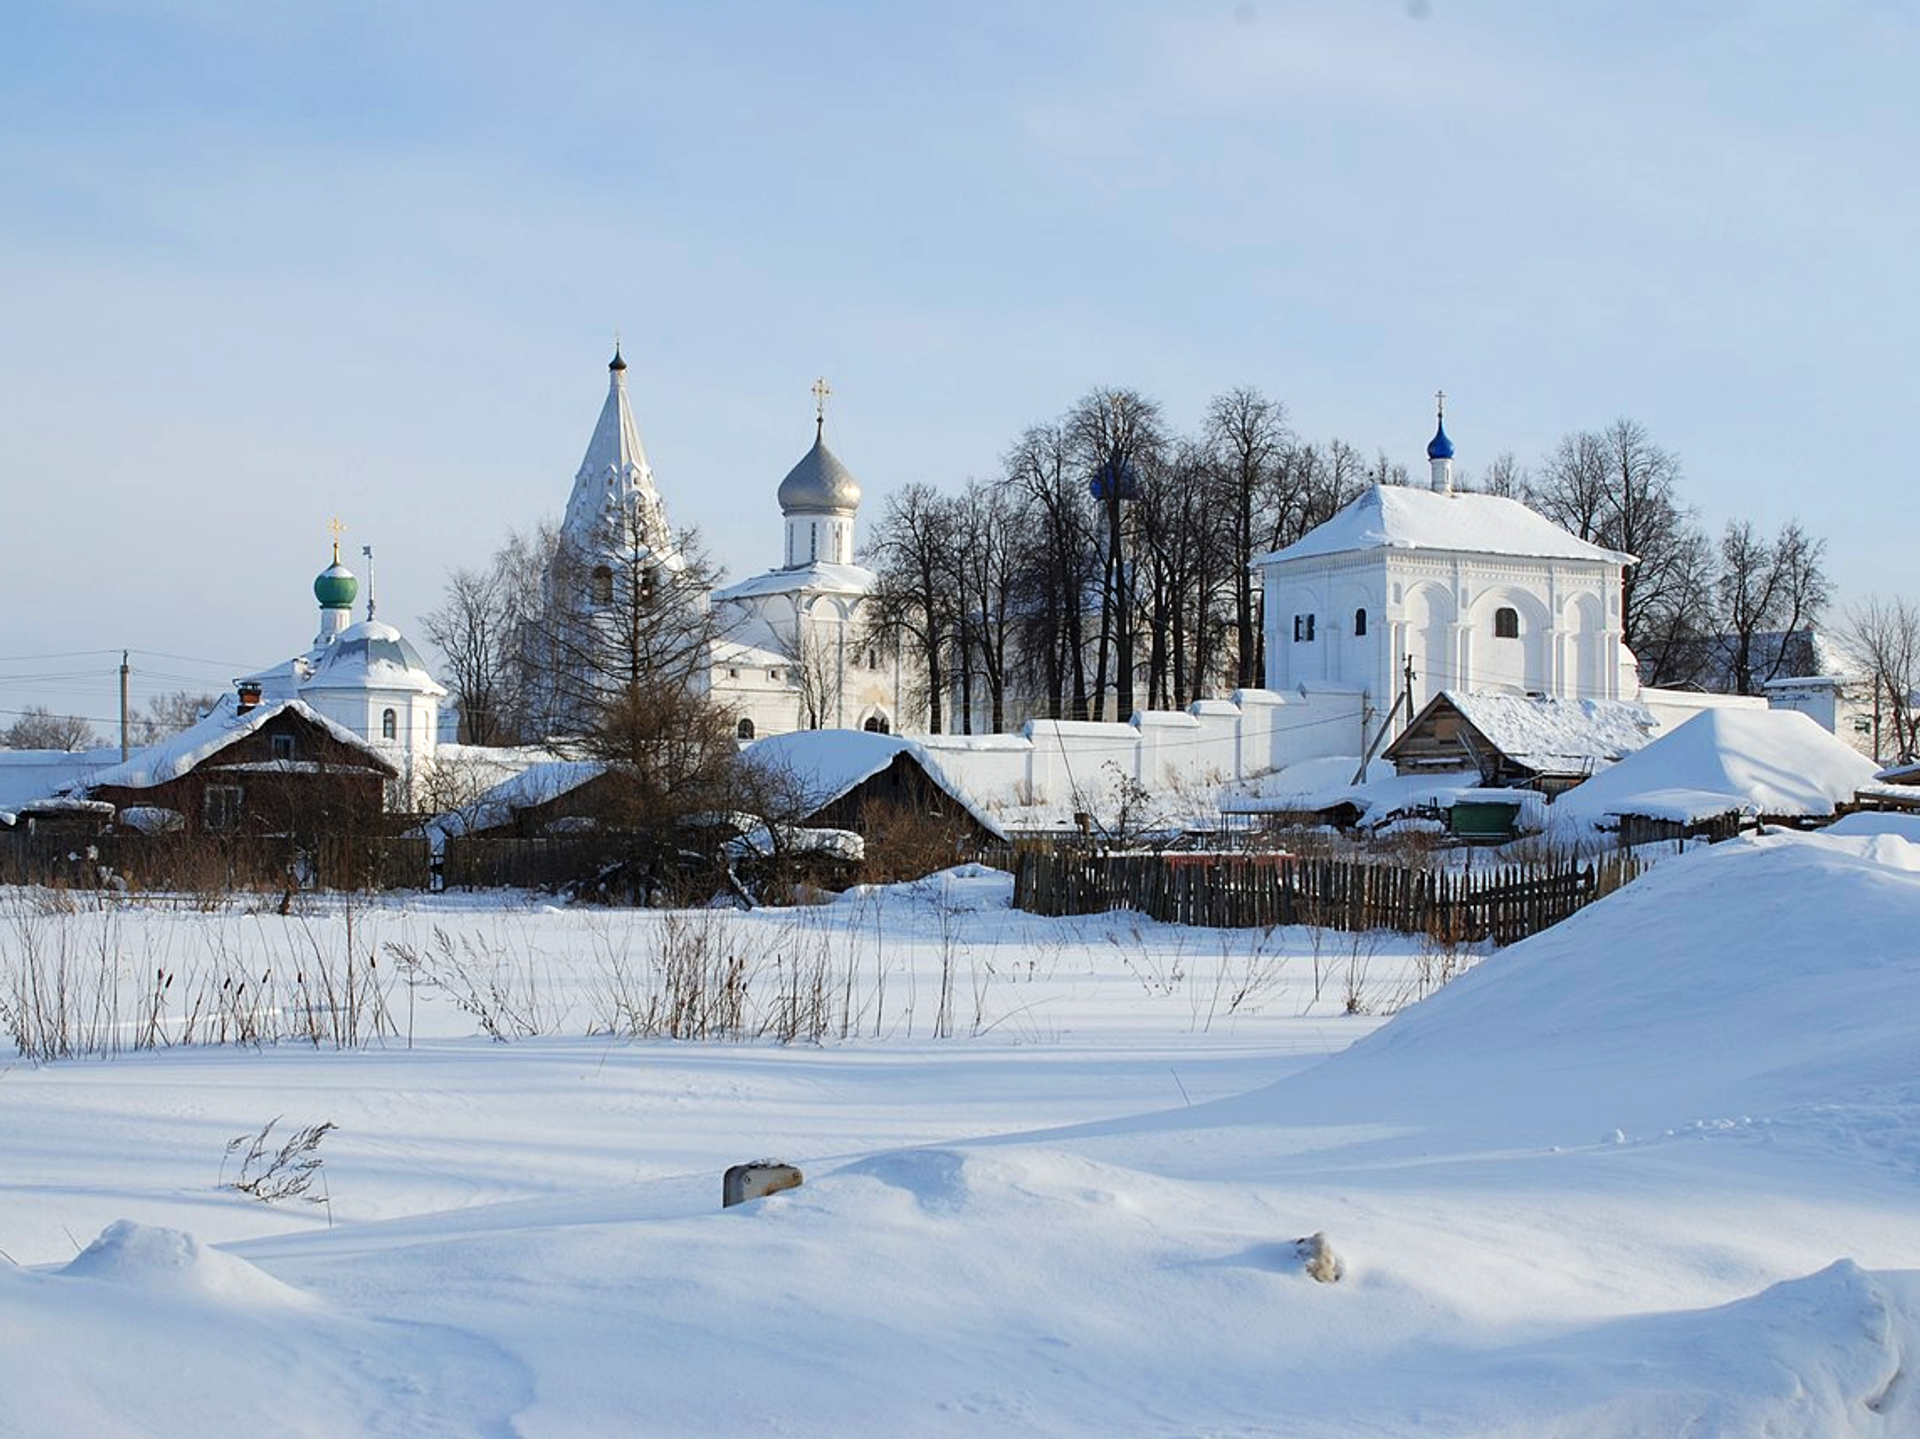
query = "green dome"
{"x": 336, "y": 587}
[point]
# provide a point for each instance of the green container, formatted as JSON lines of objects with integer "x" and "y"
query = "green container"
{"x": 1483, "y": 819}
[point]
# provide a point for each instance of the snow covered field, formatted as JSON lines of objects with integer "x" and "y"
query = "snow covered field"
{"x": 1654, "y": 1171}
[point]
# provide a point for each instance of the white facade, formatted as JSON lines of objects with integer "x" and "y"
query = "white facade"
{"x": 1478, "y": 591}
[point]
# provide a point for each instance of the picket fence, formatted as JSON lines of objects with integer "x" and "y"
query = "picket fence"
{"x": 1505, "y": 902}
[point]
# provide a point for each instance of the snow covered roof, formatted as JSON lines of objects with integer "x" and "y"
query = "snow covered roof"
{"x": 1401, "y": 517}
{"x": 30, "y": 774}
{"x": 372, "y": 655}
{"x": 1557, "y": 736}
{"x": 828, "y": 578}
{"x": 175, "y": 755}
{"x": 535, "y": 785}
{"x": 819, "y": 482}
{"x": 1768, "y": 762}
{"x": 827, "y": 763}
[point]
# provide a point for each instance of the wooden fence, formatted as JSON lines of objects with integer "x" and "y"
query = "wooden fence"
{"x": 212, "y": 864}
{"x": 1244, "y": 891}
{"x": 472, "y": 862}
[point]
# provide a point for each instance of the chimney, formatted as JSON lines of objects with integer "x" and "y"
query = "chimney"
{"x": 249, "y": 696}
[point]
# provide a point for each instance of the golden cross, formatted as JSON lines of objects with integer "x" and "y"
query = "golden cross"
{"x": 338, "y": 529}
{"x": 820, "y": 392}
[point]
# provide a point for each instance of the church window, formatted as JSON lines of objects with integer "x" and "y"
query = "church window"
{"x": 733, "y": 673}
{"x": 877, "y": 724}
{"x": 1303, "y": 629}
{"x": 222, "y": 807}
{"x": 1506, "y": 623}
{"x": 1359, "y": 624}
{"x": 389, "y": 724}
{"x": 744, "y": 730}
{"x": 648, "y": 580}
{"x": 813, "y": 541}
{"x": 283, "y": 746}
{"x": 873, "y": 659}
{"x": 602, "y": 585}
{"x": 774, "y": 675}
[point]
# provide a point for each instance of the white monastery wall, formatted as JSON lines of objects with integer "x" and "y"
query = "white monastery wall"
{"x": 1050, "y": 762}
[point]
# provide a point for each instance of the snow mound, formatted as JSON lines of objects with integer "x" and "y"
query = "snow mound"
{"x": 1877, "y": 822}
{"x": 1750, "y": 982}
{"x": 172, "y": 1261}
{"x": 1830, "y": 1353}
{"x": 1767, "y": 762}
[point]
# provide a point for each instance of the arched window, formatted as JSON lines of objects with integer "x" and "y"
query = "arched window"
{"x": 877, "y": 724}
{"x": 743, "y": 730}
{"x": 602, "y": 585}
{"x": 1506, "y": 623}
{"x": 389, "y": 724}
{"x": 1359, "y": 624}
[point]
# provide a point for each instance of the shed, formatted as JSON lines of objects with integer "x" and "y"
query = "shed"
{"x": 842, "y": 774}
{"x": 1521, "y": 741}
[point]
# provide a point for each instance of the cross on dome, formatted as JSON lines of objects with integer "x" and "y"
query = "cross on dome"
{"x": 821, "y": 389}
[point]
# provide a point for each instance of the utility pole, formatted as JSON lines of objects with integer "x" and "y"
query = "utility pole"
{"x": 1409, "y": 687}
{"x": 125, "y": 671}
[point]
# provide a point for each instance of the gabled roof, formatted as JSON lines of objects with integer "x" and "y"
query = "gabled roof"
{"x": 1767, "y": 762}
{"x": 1399, "y": 517}
{"x": 828, "y": 763}
{"x": 535, "y": 785}
{"x": 1545, "y": 736}
{"x": 175, "y": 755}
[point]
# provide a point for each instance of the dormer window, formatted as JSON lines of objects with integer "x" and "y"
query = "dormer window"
{"x": 1506, "y": 623}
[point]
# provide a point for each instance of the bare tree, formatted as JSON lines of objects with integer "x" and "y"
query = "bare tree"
{"x": 170, "y": 713}
{"x": 40, "y": 728}
{"x": 1119, "y": 444}
{"x": 1768, "y": 590}
{"x": 1884, "y": 636}
{"x": 1246, "y": 442}
{"x": 912, "y": 605}
{"x": 1616, "y": 487}
{"x": 1058, "y": 561}
{"x": 987, "y": 579}
{"x": 815, "y": 661}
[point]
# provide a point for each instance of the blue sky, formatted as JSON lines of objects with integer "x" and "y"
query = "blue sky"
{"x": 267, "y": 263}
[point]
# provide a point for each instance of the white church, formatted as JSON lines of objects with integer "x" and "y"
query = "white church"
{"x": 1474, "y": 592}
{"x": 794, "y": 655}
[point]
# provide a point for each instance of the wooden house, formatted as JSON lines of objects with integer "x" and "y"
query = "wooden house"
{"x": 262, "y": 769}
